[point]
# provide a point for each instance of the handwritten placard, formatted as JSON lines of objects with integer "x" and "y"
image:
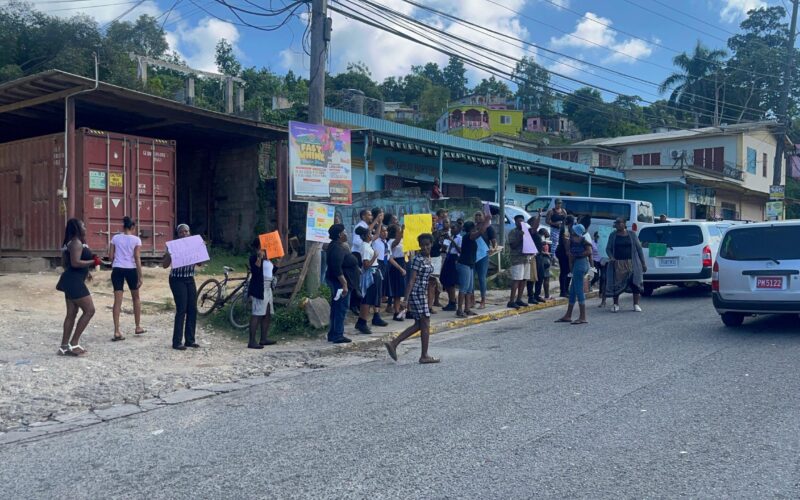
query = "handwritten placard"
{"x": 187, "y": 251}
{"x": 271, "y": 242}
{"x": 416, "y": 224}
{"x": 528, "y": 246}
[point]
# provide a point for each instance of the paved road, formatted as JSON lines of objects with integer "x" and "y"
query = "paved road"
{"x": 666, "y": 403}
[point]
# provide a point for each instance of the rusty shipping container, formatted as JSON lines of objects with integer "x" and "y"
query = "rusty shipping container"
{"x": 115, "y": 175}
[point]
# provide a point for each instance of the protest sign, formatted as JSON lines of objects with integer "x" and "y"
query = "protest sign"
{"x": 187, "y": 251}
{"x": 271, "y": 242}
{"x": 318, "y": 220}
{"x": 528, "y": 246}
{"x": 416, "y": 224}
{"x": 603, "y": 232}
{"x": 656, "y": 249}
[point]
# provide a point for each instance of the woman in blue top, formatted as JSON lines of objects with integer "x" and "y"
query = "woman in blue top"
{"x": 580, "y": 250}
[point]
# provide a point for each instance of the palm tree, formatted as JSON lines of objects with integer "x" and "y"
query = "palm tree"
{"x": 697, "y": 83}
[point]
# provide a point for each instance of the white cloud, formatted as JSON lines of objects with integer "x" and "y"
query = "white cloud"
{"x": 559, "y": 3}
{"x": 735, "y": 10}
{"x": 388, "y": 55}
{"x": 197, "y": 44}
{"x": 102, "y": 11}
{"x": 593, "y": 32}
{"x": 567, "y": 67}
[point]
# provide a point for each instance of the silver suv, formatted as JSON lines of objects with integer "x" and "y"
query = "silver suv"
{"x": 757, "y": 271}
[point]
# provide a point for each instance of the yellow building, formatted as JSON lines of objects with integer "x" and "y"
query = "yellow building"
{"x": 477, "y": 117}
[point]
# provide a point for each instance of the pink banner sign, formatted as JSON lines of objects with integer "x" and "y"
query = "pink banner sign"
{"x": 188, "y": 251}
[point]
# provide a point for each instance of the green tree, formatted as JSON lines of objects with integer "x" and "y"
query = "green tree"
{"x": 586, "y": 109}
{"x": 433, "y": 101}
{"x": 413, "y": 87}
{"x": 533, "y": 87}
{"x": 696, "y": 85}
{"x": 392, "y": 89}
{"x": 492, "y": 87}
{"x": 226, "y": 60}
{"x": 357, "y": 77}
{"x": 455, "y": 78}
{"x": 430, "y": 71}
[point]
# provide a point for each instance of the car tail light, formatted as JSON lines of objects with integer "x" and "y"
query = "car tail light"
{"x": 635, "y": 228}
{"x": 707, "y": 256}
{"x": 715, "y": 277}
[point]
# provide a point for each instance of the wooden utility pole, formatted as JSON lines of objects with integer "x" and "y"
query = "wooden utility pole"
{"x": 320, "y": 36}
{"x": 783, "y": 105}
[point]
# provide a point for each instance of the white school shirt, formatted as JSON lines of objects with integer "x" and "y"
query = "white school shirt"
{"x": 366, "y": 254}
{"x": 124, "y": 246}
{"x": 266, "y": 268}
{"x": 397, "y": 252}
{"x": 452, "y": 250}
{"x": 379, "y": 246}
{"x": 357, "y": 241}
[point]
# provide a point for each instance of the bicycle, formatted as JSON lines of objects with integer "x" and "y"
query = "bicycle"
{"x": 212, "y": 295}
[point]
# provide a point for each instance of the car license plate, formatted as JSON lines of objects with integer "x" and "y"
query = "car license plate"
{"x": 769, "y": 282}
{"x": 668, "y": 262}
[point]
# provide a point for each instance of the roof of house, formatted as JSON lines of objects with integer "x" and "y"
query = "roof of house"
{"x": 518, "y": 160}
{"x": 674, "y": 135}
{"x": 34, "y": 105}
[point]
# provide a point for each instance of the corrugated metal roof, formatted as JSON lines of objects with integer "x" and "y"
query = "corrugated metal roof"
{"x": 458, "y": 143}
{"x": 674, "y": 135}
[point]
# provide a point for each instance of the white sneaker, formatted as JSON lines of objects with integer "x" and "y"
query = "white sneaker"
{"x": 614, "y": 308}
{"x": 637, "y": 308}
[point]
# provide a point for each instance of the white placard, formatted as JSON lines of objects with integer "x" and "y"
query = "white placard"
{"x": 187, "y": 251}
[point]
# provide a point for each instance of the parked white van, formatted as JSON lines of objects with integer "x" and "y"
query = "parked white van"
{"x": 603, "y": 211}
{"x": 757, "y": 271}
{"x": 690, "y": 249}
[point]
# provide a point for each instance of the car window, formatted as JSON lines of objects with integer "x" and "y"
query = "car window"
{"x": 672, "y": 236}
{"x": 535, "y": 205}
{"x": 645, "y": 213}
{"x": 598, "y": 209}
{"x": 762, "y": 243}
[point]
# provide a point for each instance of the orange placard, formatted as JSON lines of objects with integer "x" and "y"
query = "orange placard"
{"x": 271, "y": 242}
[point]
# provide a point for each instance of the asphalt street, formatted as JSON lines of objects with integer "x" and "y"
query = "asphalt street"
{"x": 664, "y": 403}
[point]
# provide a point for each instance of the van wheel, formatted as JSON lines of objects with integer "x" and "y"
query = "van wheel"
{"x": 647, "y": 291}
{"x": 733, "y": 319}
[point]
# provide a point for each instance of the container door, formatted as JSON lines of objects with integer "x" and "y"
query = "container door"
{"x": 104, "y": 162}
{"x": 153, "y": 169}
{"x": 11, "y": 230}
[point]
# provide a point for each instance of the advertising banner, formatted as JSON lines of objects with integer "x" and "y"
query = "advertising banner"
{"x": 319, "y": 164}
{"x": 318, "y": 220}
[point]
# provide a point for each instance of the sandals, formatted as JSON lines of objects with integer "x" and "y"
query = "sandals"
{"x": 563, "y": 320}
{"x": 64, "y": 351}
{"x": 429, "y": 360}
{"x": 579, "y": 322}
{"x": 117, "y": 338}
{"x": 392, "y": 350}
{"x": 140, "y": 332}
{"x": 77, "y": 350}
{"x": 470, "y": 313}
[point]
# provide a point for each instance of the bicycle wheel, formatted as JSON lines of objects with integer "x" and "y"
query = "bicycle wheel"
{"x": 239, "y": 313}
{"x": 208, "y": 296}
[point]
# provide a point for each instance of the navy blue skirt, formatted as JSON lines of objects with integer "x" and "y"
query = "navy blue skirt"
{"x": 397, "y": 282}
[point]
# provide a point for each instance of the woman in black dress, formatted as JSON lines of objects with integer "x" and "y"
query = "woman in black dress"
{"x": 76, "y": 260}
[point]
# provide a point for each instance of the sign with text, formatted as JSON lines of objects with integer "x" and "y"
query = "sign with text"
{"x": 187, "y": 251}
{"x": 272, "y": 244}
{"x": 320, "y": 164}
{"x": 528, "y": 246}
{"x": 416, "y": 224}
{"x": 777, "y": 192}
{"x": 318, "y": 220}
{"x": 774, "y": 210}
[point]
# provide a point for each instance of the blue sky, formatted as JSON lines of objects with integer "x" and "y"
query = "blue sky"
{"x": 643, "y": 47}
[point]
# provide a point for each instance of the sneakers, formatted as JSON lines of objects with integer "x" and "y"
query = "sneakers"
{"x": 362, "y": 327}
{"x": 637, "y": 308}
{"x": 615, "y": 308}
{"x": 512, "y": 305}
{"x": 378, "y": 321}
{"x": 449, "y": 307}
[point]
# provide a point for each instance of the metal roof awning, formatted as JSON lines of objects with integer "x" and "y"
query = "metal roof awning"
{"x": 34, "y": 105}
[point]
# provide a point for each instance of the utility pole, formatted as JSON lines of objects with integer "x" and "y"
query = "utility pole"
{"x": 783, "y": 119}
{"x": 320, "y": 36}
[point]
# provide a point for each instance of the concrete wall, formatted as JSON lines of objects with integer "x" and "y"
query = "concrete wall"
{"x": 730, "y": 143}
{"x": 762, "y": 142}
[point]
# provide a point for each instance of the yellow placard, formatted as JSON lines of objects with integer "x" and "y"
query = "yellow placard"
{"x": 415, "y": 225}
{"x": 115, "y": 179}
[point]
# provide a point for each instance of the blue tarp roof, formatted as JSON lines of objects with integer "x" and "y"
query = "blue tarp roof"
{"x": 430, "y": 137}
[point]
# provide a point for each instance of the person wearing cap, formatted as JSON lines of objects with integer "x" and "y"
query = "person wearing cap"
{"x": 343, "y": 277}
{"x": 184, "y": 293}
{"x": 580, "y": 250}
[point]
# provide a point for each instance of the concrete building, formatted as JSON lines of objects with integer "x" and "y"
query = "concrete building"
{"x": 723, "y": 172}
{"x": 477, "y": 117}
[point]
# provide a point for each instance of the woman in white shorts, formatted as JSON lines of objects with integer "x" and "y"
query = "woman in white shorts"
{"x": 260, "y": 291}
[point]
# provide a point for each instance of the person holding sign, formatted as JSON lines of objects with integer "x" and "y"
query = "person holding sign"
{"x": 416, "y": 294}
{"x": 262, "y": 280}
{"x": 184, "y": 293}
{"x": 520, "y": 263}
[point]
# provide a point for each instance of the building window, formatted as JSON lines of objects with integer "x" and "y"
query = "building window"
{"x": 566, "y": 156}
{"x": 647, "y": 159}
{"x": 604, "y": 160}
{"x": 519, "y": 188}
{"x": 729, "y": 211}
{"x": 710, "y": 158}
{"x": 764, "y": 165}
{"x": 751, "y": 161}
{"x": 505, "y": 120}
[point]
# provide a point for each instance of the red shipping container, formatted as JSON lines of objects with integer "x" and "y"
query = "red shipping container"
{"x": 115, "y": 175}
